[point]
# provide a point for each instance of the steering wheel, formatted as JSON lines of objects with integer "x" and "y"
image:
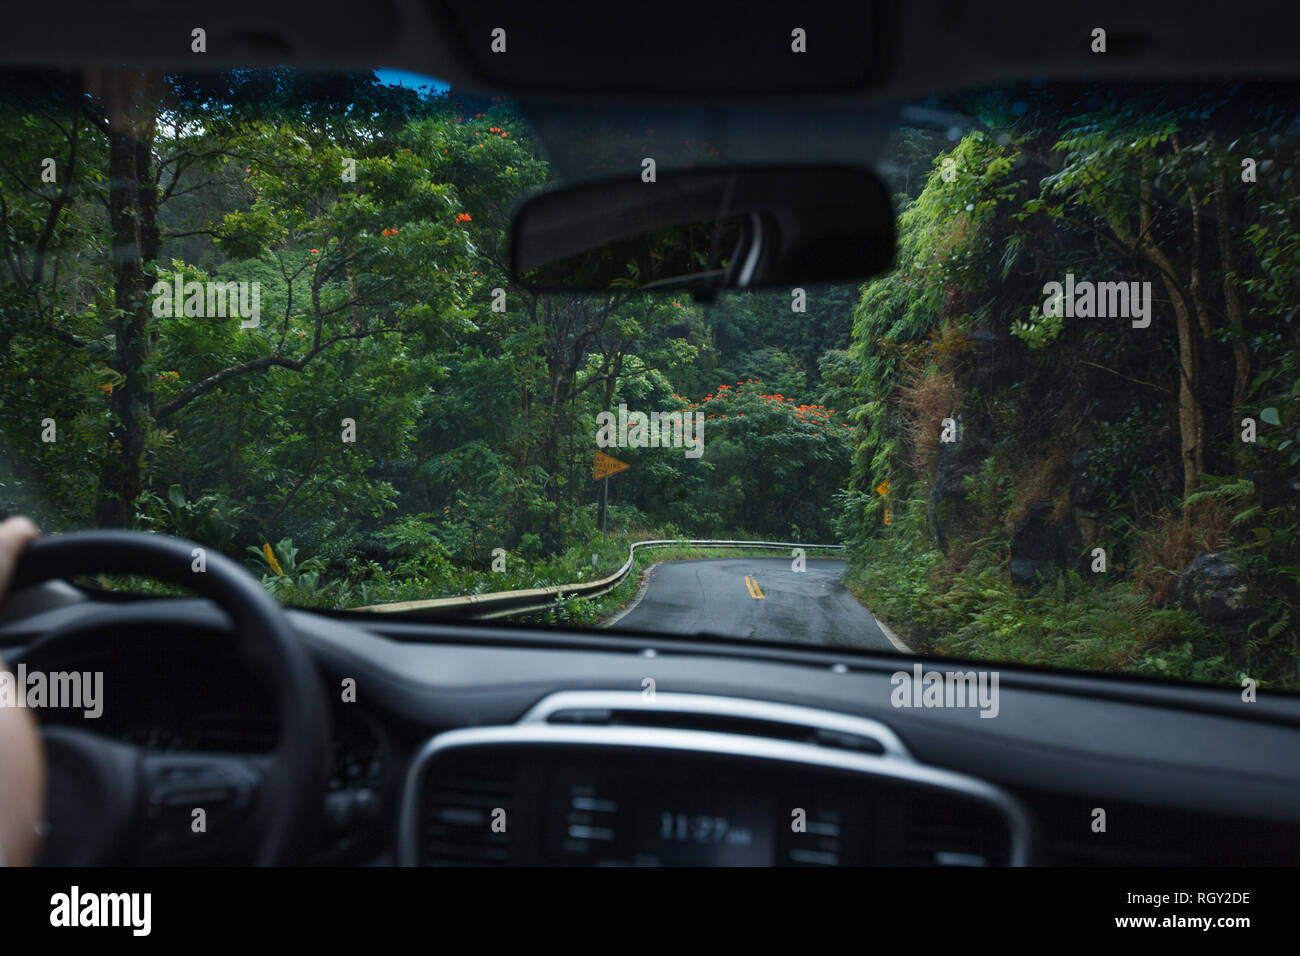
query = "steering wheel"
{"x": 108, "y": 799}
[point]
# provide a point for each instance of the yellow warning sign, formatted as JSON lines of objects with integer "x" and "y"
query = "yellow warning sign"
{"x": 882, "y": 489}
{"x": 605, "y": 466}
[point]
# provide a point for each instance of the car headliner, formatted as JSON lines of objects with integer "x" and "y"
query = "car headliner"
{"x": 907, "y": 48}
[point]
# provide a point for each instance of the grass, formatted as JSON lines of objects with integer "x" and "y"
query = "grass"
{"x": 975, "y": 612}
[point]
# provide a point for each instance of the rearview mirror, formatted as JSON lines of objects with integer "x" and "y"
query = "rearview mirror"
{"x": 731, "y": 227}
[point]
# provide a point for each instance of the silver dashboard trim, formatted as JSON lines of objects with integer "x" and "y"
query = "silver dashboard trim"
{"x": 719, "y": 706}
{"x": 534, "y": 732}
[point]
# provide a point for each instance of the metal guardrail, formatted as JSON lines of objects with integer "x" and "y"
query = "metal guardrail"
{"x": 507, "y": 603}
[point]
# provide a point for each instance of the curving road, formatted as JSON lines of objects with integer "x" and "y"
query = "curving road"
{"x": 760, "y": 598}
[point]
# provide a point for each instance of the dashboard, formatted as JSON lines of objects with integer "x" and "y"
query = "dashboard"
{"x": 619, "y": 778}
{"x": 476, "y": 744}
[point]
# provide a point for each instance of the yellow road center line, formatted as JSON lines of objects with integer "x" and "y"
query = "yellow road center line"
{"x": 758, "y": 589}
{"x": 749, "y": 585}
{"x": 754, "y": 591}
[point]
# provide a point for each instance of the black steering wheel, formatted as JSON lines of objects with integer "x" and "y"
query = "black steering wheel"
{"x": 108, "y": 799}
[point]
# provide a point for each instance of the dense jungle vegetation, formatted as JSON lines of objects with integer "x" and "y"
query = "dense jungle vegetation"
{"x": 1013, "y": 481}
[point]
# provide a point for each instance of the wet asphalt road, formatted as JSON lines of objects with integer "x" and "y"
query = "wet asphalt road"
{"x": 758, "y": 598}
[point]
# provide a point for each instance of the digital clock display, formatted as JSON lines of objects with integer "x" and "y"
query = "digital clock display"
{"x": 620, "y": 814}
{"x": 719, "y": 830}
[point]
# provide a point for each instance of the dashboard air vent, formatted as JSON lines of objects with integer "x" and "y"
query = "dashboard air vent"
{"x": 939, "y": 831}
{"x": 456, "y": 828}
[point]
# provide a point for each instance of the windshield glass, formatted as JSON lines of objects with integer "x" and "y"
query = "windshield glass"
{"x": 270, "y": 312}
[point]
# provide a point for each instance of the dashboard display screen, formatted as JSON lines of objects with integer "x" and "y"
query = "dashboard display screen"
{"x": 617, "y": 806}
{"x": 599, "y": 817}
{"x": 620, "y": 813}
{"x": 684, "y": 829}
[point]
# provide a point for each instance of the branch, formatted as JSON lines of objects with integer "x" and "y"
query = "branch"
{"x": 96, "y": 120}
{"x": 1137, "y": 381}
{"x": 194, "y": 232}
{"x": 308, "y": 472}
{"x": 51, "y": 220}
{"x": 274, "y": 360}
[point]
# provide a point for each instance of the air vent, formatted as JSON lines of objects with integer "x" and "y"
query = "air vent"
{"x": 944, "y": 832}
{"x": 1144, "y": 835}
{"x": 456, "y": 828}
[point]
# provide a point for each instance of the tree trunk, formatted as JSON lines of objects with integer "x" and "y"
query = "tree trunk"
{"x": 1191, "y": 417}
{"x": 1231, "y": 298}
{"x": 133, "y": 220}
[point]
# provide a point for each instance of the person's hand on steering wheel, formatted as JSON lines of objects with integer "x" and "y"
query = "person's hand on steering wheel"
{"x": 22, "y": 763}
{"x": 102, "y": 801}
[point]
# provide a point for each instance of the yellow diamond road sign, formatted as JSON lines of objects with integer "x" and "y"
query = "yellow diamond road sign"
{"x": 605, "y": 466}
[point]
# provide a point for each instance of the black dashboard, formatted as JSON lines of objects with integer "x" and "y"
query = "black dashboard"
{"x": 462, "y": 744}
{"x": 621, "y": 778}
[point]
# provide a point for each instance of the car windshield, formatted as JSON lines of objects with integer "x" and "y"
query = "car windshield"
{"x": 272, "y": 313}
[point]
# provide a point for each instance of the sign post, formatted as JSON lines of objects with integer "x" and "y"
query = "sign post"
{"x": 882, "y": 489}
{"x": 601, "y": 469}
